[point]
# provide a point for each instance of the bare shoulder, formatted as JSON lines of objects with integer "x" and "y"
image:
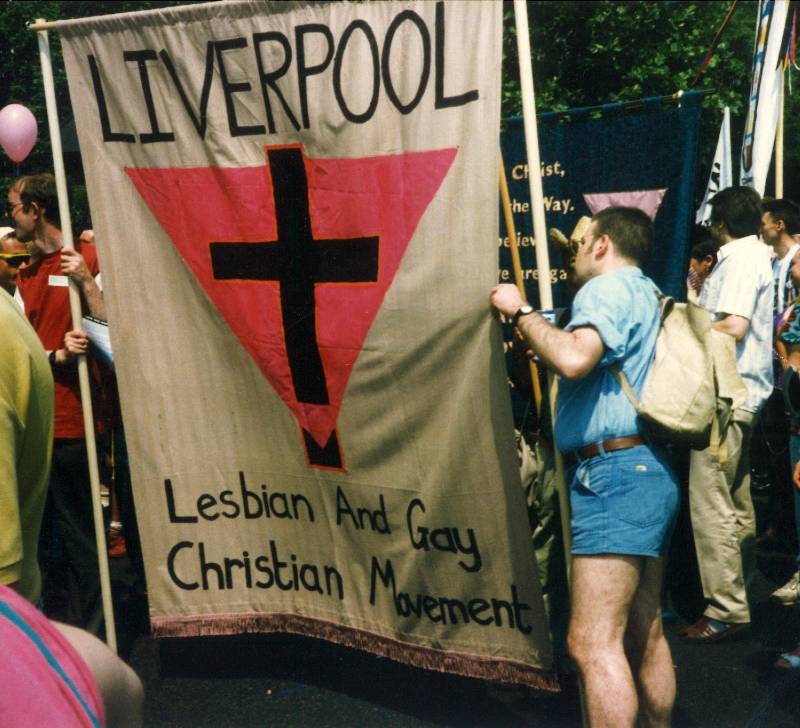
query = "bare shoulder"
{"x": 120, "y": 687}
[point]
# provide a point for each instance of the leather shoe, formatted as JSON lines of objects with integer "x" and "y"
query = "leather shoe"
{"x": 690, "y": 628}
{"x": 707, "y": 629}
{"x": 789, "y": 593}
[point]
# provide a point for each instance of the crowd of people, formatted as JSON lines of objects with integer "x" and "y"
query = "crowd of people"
{"x": 624, "y": 494}
{"x": 61, "y": 673}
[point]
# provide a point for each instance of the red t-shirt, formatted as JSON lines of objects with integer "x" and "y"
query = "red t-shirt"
{"x": 45, "y": 292}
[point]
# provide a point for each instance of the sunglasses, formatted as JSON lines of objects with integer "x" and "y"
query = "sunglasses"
{"x": 15, "y": 259}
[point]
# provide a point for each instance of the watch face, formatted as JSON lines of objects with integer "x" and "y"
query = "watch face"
{"x": 521, "y": 311}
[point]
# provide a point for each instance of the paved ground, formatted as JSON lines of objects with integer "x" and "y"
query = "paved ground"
{"x": 293, "y": 681}
{"x": 279, "y": 680}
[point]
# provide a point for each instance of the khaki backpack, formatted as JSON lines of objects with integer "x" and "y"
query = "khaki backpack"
{"x": 692, "y": 386}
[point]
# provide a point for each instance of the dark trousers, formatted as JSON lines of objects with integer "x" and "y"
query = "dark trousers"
{"x": 127, "y": 510}
{"x": 68, "y": 551}
{"x": 772, "y": 473}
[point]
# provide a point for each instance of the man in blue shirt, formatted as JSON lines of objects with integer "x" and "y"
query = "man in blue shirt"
{"x": 624, "y": 496}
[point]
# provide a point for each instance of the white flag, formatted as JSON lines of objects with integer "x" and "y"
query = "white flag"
{"x": 721, "y": 175}
{"x": 762, "y": 115}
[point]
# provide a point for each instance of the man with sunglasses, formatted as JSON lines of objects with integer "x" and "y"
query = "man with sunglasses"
{"x": 43, "y": 287}
{"x": 13, "y": 254}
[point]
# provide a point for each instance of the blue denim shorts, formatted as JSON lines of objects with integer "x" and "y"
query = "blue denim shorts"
{"x": 623, "y": 502}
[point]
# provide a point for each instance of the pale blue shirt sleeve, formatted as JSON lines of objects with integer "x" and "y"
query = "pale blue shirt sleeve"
{"x": 604, "y": 303}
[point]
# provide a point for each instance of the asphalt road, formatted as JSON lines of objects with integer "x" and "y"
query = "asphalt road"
{"x": 294, "y": 681}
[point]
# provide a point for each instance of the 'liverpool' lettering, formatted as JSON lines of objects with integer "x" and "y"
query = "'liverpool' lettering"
{"x": 245, "y": 67}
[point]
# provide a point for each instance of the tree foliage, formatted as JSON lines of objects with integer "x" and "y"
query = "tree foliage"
{"x": 584, "y": 54}
{"x": 590, "y": 53}
{"x": 21, "y": 83}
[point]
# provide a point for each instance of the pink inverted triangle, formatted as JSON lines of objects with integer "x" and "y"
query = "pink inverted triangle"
{"x": 348, "y": 198}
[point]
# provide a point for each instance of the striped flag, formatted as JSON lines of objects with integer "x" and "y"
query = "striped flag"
{"x": 774, "y": 47}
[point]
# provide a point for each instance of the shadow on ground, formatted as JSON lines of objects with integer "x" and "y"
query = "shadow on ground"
{"x": 261, "y": 680}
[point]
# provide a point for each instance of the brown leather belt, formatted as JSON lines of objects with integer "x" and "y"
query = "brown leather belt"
{"x": 593, "y": 449}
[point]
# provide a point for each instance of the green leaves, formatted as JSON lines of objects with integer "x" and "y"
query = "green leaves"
{"x": 589, "y": 53}
{"x": 584, "y": 53}
{"x": 21, "y": 83}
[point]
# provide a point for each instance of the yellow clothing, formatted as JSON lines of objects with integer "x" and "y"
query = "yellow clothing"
{"x": 26, "y": 441}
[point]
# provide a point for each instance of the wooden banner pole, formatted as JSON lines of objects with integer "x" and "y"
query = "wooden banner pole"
{"x": 77, "y": 323}
{"x": 525, "y": 60}
{"x": 508, "y": 215}
{"x": 532, "y": 147}
{"x": 542, "y": 252}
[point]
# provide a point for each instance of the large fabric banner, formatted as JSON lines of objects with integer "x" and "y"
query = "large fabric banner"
{"x": 295, "y": 207}
{"x": 612, "y": 155}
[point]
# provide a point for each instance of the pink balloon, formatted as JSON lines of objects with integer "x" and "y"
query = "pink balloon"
{"x": 18, "y": 130}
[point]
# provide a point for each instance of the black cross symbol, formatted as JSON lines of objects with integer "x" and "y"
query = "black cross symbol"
{"x": 298, "y": 262}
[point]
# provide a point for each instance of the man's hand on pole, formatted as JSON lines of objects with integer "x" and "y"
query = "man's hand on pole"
{"x": 506, "y": 299}
{"x": 76, "y": 343}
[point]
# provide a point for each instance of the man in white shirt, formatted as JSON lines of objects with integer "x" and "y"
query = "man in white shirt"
{"x": 779, "y": 222}
{"x": 739, "y": 297}
{"x": 770, "y": 448}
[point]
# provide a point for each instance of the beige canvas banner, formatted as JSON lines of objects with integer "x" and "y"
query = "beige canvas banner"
{"x": 296, "y": 212}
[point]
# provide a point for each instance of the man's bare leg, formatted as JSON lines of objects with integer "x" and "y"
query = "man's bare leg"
{"x": 603, "y": 588}
{"x": 648, "y": 650}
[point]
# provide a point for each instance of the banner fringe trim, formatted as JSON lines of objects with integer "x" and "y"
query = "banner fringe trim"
{"x": 427, "y": 658}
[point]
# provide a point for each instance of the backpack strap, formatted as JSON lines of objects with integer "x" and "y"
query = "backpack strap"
{"x": 731, "y": 391}
{"x": 718, "y": 445}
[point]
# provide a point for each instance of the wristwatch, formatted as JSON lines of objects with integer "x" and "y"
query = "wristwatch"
{"x": 521, "y": 311}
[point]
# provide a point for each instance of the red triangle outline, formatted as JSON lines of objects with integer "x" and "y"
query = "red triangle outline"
{"x": 191, "y": 223}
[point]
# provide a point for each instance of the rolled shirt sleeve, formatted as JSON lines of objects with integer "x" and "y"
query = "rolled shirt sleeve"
{"x": 737, "y": 296}
{"x": 598, "y": 306}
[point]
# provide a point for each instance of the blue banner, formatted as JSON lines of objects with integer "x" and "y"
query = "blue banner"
{"x": 611, "y": 154}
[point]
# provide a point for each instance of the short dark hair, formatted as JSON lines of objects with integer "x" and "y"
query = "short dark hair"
{"x": 739, "y": 208}
{"x": 785, "y": 210}
{"x": 41, "y": 189}
{"x": 702, "y": 250}
{"x": 630, "y": 229}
